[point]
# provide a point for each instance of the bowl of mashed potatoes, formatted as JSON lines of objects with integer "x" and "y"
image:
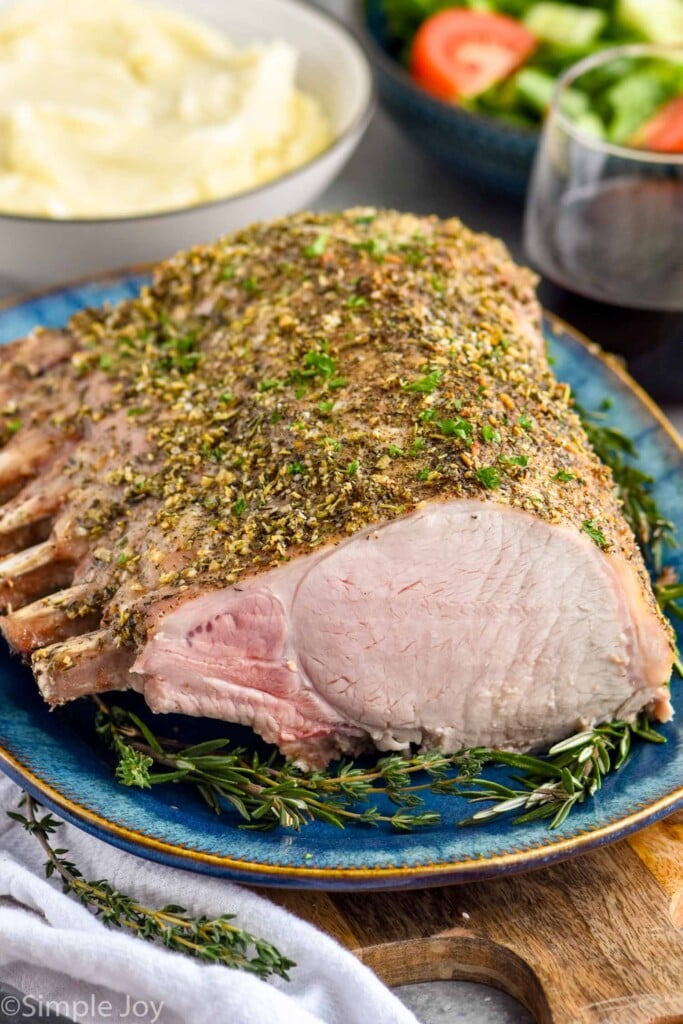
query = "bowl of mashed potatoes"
{"x": 130, "y": 128}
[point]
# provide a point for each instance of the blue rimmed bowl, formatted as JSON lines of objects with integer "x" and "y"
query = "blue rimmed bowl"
{"x": 473, "y": 146}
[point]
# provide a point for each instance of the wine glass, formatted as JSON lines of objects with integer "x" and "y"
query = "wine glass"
{"x": 605, "y": 219}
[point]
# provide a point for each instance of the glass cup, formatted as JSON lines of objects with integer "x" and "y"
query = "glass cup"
{"x": 603, "y": 219}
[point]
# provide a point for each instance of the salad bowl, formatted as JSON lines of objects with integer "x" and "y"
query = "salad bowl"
{"x": 474, "y": 146}
{"x": 504, "y": 71}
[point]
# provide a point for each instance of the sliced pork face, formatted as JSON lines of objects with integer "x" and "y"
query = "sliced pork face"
{"x": 462, "y": 624}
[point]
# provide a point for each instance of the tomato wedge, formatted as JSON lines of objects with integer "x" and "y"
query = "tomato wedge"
{"x": 663, "y": 133}
{"x": 459, "y": 53}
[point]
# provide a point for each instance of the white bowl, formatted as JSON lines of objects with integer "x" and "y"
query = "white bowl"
{"x": 39, "y": 251}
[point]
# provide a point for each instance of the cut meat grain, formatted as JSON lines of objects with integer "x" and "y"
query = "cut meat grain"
{"x": 318, "y": 479}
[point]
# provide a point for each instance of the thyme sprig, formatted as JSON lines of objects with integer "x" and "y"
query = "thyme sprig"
{"x": 271, "y": 791}
{"x": 214, "y": 940}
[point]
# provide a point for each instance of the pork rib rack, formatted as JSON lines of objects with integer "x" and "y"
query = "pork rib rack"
{"x": 319, "y": 479}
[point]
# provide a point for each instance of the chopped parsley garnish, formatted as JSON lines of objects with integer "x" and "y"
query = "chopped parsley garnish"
{"x": 185, "y": 343}
{"x": 326, "y": 406}
{"x": 226, "y": 397}
{"x": 317, "y": 248}
{"x": 227, "y": 273}
{"x": 179, "y": 353}
{"x": 424, "y": 474}
{"x": 489, "y": 434}
{"x": 269, "y": 384}
{"x": 412, "y": 254}
{"x": 105, "y": 362}
{"x": 427, "y": 415}
{"x": 417, "y": 446}
{"x": 455, "y": 428}
{"x": 514, "y": 460}
{"x": 395, "y": 451}
{"x": 426, "y": 385}
{"x": 296, "y": 467}
{"x": 437, "y": 284}
{"x": 240, "y": 507}
{"x": 375, "y": 247}
{"x": 317, "y": 365}
{"x": 356, "y": 301}
{"x": 352, "y": 468}
{"x": 365, "y": 218}
{"x": 526, "y": 423}
{"x": 490, "y": 477}
{"x": 251, "y": 285}
{"x": 333, "y": 443}
{"x": 13, "y": 426}
{"x": 595, "y": 533}
{"x": 320, "y": 364}
{"x": 137, "y": 410}
{"x": 563, "y": 476}
{"x": 189, "y": 362}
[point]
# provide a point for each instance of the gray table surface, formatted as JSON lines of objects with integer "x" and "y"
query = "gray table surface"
{"x": 387, "y": 170}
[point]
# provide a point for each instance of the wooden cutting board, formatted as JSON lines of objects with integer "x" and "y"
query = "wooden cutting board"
{"x": 594, "y": 940}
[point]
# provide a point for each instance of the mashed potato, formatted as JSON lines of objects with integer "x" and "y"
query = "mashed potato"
{"x": 110, "y": 108}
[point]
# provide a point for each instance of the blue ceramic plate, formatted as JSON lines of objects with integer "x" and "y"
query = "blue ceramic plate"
{"x": 57, "y": 757}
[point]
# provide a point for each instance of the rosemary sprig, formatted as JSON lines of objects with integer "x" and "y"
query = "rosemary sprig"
{"x": 214, "y": 940}
{"x": 572, "y": 771}
{"x": 670, "y": 599}
{"x": 652, "y": 529}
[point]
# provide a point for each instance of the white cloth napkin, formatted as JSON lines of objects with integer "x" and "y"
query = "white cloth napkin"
{"x": 56, "y": 951}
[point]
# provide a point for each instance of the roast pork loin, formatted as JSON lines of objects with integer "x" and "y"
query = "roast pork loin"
{"x": 319, "y": 479}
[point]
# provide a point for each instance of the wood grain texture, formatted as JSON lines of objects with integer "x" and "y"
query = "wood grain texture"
{"x": 661, "y": 850}
{"x": 594, "y": 940}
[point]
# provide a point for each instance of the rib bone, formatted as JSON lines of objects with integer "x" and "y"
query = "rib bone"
{"x": 22, "y": 512}
{"x": 51, "y": 619}
{"x": 83, "y": 665}
{"x": 36, "y": 353}
{"x": 32, "y": 573}
{"x": 22, "y": 458}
